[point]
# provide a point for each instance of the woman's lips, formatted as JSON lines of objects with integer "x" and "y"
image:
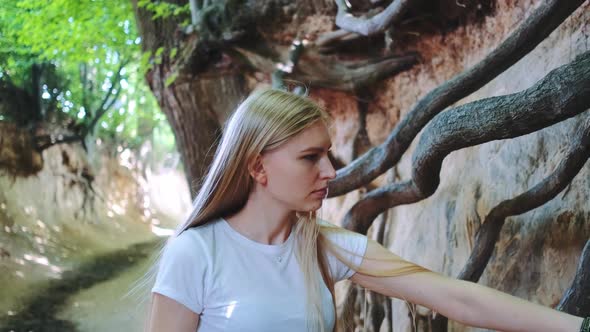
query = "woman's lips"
{"x": 321, "y": 192}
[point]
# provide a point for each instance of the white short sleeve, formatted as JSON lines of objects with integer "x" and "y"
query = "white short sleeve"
{"x": 182, "y": 271}
{"x": 353, "y": 244}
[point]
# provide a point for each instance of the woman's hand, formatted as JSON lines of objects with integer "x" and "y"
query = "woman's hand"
{"x": 462, "y": 301}
{"x": 169, "y": 315}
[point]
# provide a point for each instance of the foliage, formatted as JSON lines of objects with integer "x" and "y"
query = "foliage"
{"x": 162, "y": 9}
{"x": 15, "y": 58}
{"x": 81, "y": 46}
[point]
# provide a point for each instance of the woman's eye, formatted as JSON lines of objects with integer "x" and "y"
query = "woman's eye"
{"x": 311, "y": 157}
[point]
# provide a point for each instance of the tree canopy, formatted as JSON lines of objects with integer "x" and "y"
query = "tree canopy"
{"x": 82, "y": 61}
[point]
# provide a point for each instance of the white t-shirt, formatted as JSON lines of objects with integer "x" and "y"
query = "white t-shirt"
{"x": 237, "y": 284}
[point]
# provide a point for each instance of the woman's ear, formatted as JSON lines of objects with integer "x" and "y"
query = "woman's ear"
{"x": 257, "y": 171}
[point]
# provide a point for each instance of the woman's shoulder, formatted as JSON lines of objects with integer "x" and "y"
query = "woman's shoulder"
{"x": 345, "y": 249}
{"x": 338, "y": 234}
{"x": 326, "y": 223}
{"x": 199, "y": 236}
{"x": 332, "y": 228}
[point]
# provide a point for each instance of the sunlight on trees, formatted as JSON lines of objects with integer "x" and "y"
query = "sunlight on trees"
{"x": 82, "y": 61}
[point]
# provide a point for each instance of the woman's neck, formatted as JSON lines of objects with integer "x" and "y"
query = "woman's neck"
{"x": 263, "y": 220}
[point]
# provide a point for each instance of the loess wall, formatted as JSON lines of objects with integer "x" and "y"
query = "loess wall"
{"x": 537, "y": 252}
{"x": 79, "y": 205}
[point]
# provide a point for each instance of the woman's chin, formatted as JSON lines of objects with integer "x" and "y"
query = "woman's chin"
{"x": 315, "y": 206}
{"x": 309, "y": 208}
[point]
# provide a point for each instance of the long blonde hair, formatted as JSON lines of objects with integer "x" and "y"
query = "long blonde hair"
{"x": 265, "y": 120}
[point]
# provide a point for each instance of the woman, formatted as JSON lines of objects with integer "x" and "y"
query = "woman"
{"x": 252, "y": 256}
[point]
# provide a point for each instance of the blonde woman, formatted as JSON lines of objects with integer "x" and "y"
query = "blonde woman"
{"x": 252, "y": 256}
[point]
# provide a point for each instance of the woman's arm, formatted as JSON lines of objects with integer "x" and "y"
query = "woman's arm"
{"x": 169, "y": 315}
{"x": 462, "y": 301}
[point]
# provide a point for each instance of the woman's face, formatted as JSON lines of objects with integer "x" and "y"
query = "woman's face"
{"x": 297, "y": 172}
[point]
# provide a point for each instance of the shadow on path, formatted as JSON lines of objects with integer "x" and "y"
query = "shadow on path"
{"x": 39, "y": 312}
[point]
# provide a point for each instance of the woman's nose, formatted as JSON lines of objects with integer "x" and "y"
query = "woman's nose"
{"x": 328, "y": 170}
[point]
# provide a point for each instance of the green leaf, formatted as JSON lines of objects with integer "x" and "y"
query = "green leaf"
{"x": 159, "y": 51}
{"x": 171, "y": 78}
{"x": 80, "y": 45}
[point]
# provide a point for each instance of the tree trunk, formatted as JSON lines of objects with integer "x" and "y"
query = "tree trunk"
{"x": 195, "y": 110}
{"x": 195, "y": 106}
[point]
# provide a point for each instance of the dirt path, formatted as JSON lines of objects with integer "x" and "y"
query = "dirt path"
{"x": 40, "y": 312}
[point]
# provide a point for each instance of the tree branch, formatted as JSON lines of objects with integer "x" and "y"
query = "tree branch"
{"x": 526, "y": 37}
{"x": 377, "y": 304}
{"x": 45, "y": 141}
{"x": 328, "y": 72}
{"x": 37, "y": 71}
{"x": 346, "y": 314}
{"x": 84, "y": 81}
{"x": 540, "y": 194}
{"x": 111, "y": 103}
{"x": 194, "y": 8}
{"x": 563, "y": 93}
{"x": 111, "y": 88}
{"x": 489, "y": 232}
{"x": 576, "y": 300}
{"x": 351, "y": 77}
{"x": 103, "y": 108}
{"x": 327, "y": 39}
{"x": 283, "y": 69}
{"x": 376, "y": 24}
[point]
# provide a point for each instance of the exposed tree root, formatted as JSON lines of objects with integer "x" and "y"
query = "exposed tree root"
{"x": 526, "y": 37}
{"x": 563, "y": 93}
